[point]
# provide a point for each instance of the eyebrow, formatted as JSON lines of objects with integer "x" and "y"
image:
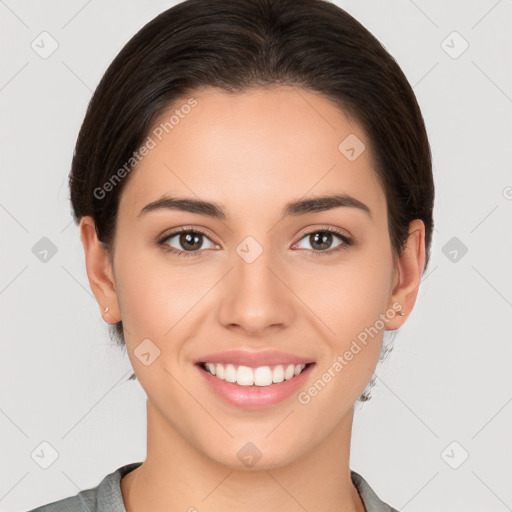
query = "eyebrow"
{"x": 294, "y": 208}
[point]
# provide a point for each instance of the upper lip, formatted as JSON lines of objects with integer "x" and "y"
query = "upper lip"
{"x": 253, "y": 359}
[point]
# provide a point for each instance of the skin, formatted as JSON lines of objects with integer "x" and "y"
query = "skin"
{"x": 252, "y": 153}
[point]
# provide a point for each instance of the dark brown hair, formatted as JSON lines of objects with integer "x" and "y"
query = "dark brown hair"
{"x": 237, "y": 45}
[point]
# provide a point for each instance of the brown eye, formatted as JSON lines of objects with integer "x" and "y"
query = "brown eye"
{"x": 190, "y": 241}
{"x": 185, "y": 242}
{"x": 321, "y": 241}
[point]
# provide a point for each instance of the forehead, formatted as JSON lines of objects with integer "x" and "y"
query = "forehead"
{"x": 263, "y": 147}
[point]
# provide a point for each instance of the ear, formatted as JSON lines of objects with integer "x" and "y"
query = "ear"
{"x": 99, "y": 271}
{"x": 410, "y": 267}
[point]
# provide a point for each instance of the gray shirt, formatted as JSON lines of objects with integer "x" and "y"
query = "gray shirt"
{"x": 107, "y": 497}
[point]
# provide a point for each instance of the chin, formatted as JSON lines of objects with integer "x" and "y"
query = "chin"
{"x": 253, "y": 455}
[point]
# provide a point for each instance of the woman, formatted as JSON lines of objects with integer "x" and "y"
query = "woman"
{"x": 254, "y": 191}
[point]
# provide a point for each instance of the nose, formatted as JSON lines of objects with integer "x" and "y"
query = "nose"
{"x": 256, "y": 297}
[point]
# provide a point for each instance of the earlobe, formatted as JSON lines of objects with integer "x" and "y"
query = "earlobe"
{"x": 99, "y": 271}
{"x": 410, "y": 264}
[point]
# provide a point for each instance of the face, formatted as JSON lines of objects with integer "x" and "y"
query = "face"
{"x": 294, "y": 285}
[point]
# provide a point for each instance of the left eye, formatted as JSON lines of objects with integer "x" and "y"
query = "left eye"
{"x": 321, "y": 240}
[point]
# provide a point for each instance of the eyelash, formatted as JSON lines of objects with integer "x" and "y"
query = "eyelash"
{"x": 346, "y": 241}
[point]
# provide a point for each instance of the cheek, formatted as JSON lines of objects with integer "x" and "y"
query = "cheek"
{"x": 351, "y": 307}
{"x": 154, "y": 294}
{"x": 349, "y": 297}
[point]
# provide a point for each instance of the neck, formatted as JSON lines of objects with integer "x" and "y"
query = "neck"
{"x": 176, "y": 476}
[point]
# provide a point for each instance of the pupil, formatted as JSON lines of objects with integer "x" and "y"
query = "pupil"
{"x": 190, "y": 239}
{"x": 323, "y": 239}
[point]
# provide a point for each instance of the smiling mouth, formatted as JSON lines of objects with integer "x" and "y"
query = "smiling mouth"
{"x": 261, "y": 376}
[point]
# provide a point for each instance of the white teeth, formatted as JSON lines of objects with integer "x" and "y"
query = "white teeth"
{"x": 244, "y": 376}
{"x": 260, "y": 376}
{"x": 263, "y": 376}
{"x": 211, "y": 368}
{"x": 289, "y": 372}
{"x": 219, "y": 371}
{"x": 278, "y": 374}
{"x": 230, "y": 374}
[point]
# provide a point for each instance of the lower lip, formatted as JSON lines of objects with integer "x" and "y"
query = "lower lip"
{"x": 255, "y": 397}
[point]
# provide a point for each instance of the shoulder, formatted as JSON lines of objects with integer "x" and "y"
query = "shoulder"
{"x": 105, "y": 497}
{"x": 370, "y": 499}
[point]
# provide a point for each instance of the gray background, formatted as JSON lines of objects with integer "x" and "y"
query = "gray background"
{"x": 445, "y": 391}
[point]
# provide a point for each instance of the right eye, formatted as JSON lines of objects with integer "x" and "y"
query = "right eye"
{"x": 191, "y": 241}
